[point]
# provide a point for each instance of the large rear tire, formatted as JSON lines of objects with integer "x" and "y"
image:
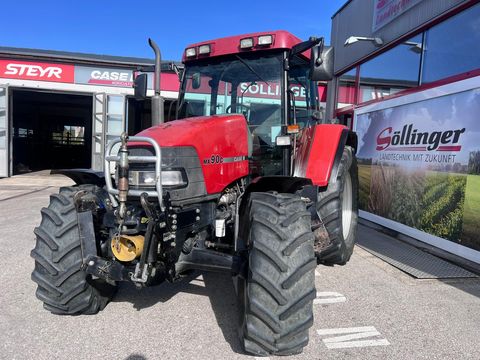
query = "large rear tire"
{"x": 62, "y": 286}
{"x": 280, "y": 287}
{"x": 338, "y": 209}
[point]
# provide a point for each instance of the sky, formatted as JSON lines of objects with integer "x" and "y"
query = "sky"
{"x": 120, "y": 27}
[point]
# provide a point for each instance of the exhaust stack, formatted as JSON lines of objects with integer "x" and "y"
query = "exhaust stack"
{"x": 157, "y": 100}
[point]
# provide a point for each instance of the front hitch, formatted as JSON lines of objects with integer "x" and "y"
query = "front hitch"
{"x": 122, "y": 192}
{"x": 141, "y": 274}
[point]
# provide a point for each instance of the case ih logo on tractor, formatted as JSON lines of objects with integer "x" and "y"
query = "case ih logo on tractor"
{"x": 241, "y": 185}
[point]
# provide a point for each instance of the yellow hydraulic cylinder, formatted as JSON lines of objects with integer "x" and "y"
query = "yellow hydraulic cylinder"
{"x": 128, "y": 247}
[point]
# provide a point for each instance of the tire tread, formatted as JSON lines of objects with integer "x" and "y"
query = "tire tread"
{"x": 63, "y": 287}
{"x": 281, "y": 280}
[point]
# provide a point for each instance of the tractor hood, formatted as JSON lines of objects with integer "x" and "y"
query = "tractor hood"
{"x": 214, "y": 132}
{"x": 221, "y": 143}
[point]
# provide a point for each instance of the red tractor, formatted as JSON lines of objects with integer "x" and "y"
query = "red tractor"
{"x": 250, "y": 181}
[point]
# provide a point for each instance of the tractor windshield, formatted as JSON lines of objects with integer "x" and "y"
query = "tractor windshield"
{"x": 248, "y": 84}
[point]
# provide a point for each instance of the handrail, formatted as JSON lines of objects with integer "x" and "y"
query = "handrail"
{"x": 157, "y": 159}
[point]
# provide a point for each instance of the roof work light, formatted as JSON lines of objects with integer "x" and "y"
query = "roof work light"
{"x": 204, "y": 49}
{"x": 265, "y": 40}
{"x": 246, "y": 43}
{"x": 190, "y": 52}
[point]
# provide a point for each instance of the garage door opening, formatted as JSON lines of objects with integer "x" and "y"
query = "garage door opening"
{"x": 50, "y": 131}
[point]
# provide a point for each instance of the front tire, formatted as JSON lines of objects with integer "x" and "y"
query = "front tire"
{"x": 338, "y": 209}
{"x": 63, "y": 287}
{"x": 280, "y": 287}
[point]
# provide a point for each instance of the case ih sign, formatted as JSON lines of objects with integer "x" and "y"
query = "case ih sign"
{"x": 103, "y": 76}
{"x": 14, "y": 69}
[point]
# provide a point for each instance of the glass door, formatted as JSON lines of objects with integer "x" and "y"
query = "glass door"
{"x": 4, "y": 143}
{"x": 115, "y": 121}
{"x": 98, "y": 133}
{"x": 108, "y": 123}
{"x": 115, "y": 116}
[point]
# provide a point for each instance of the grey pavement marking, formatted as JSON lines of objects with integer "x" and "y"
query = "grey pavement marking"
{"x": 329, "y": 297}
{"x": 349, "y": 337}
{"x": 27, "y": 193}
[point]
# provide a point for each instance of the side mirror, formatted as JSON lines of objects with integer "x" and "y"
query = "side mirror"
{"x": 196, "y": 81}
{"x": 178, "y": 70}
{"x": 321, "y": 63}
{"x": 140, "y": 87}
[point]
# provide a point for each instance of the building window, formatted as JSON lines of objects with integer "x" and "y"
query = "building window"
{"x": 453, "y": 47}
{"x": 346, "y": 88}
{"x": 395, "y": 70}
{"x": 71, "y": 135}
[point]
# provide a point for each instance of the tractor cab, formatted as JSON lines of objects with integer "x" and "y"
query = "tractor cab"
{"x": 266, "y": 77}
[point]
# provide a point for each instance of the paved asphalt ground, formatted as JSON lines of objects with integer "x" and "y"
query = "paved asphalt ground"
{"x": 365, "y": 310}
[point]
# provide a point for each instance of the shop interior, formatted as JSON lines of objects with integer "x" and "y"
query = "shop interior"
{"x": 50, "y": 130}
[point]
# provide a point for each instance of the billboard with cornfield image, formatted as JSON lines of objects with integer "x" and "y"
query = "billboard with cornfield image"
{"x": 419, "y": 164}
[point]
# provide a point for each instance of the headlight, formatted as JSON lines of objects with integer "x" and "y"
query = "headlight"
{"x": 172, "y": 178}
{"x": 141, "y": 178}
{"x": 147, "y": 178}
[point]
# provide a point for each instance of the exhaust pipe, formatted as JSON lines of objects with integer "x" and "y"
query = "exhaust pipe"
{"x": 157, "y": 100}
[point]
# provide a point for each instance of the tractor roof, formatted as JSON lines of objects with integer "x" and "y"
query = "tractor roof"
{"x": 231, "y": 45}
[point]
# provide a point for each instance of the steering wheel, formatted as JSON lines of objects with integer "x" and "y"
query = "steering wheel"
{"x": 245, "y": 113}
{"x": 229, "y": 107}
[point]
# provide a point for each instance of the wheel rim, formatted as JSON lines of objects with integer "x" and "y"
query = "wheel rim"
{"x": 347, "y": 203}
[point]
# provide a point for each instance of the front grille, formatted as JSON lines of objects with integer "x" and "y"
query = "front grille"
{"x": 181, "y": 157}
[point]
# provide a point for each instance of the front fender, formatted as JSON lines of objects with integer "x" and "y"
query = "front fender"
{"x": 319, "y": 152}
{"x": 83, "y": 176}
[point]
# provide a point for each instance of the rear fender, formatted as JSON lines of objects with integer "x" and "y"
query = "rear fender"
{"x": 319, "y": 152}
{"x": 83, "y": 176}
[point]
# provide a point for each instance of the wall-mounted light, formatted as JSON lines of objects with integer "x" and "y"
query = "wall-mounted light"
{"x": 353, "y": 39}
{"x": 416, "y": 47}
